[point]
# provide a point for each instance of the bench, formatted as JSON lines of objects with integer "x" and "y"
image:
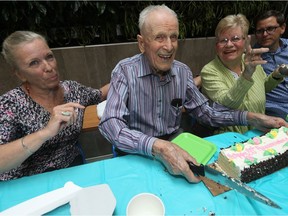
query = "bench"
{"x": 91, "y": 119}
{"x": 94, "y": 145}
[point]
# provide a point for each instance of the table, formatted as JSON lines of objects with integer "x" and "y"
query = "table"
{"x": 133, "y": 174}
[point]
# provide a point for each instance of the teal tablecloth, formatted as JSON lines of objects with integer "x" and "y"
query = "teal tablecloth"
{"x": 132, "y": 174}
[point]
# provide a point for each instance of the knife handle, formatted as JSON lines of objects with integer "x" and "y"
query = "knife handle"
{"x": 199, "y": 170}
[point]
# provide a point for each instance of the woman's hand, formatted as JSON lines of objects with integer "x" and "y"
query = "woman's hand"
{"x": 175, "y": 159}
{"x": 252, "y": 59}
{"x": 61, "y": 117}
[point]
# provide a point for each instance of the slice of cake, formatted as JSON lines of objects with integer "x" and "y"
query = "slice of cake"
{"x": 257, "y": 157}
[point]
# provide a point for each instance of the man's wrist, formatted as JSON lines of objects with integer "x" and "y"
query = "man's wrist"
{"x": 159, "y": 147}
{"x": 251, "y": 118}
{"x": 155, "y": 148}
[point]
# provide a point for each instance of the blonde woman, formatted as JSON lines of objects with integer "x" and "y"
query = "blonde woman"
{"x": 40, "y": 120}
{"x": 235, "y": 77}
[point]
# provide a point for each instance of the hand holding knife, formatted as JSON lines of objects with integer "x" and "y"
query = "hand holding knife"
{"x": 223, "y": 179}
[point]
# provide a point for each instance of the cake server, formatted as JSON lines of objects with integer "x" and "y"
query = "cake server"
{"x": 212, "y": 173}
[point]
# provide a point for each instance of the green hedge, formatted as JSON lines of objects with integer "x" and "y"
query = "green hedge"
{"x": 72, "y": 23}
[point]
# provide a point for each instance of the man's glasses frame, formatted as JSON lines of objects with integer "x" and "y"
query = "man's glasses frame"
{"x": 270, "y": 30}
{"x": 235, "y": 39}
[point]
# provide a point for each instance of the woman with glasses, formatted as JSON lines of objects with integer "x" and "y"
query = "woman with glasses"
{"x": 235, "y": 78}
{"x": 269, "y": 28}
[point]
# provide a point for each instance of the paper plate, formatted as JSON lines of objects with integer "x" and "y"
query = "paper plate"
{"x": 202, "y": 150}
{"x": 93, "y": 200}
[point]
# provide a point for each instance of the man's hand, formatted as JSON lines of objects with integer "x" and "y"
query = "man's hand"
{"x": 283, "y": 69}
{"x": 280, "y": 72}
{"x": 264, "y": 122}
{"x": 174, "y": 159}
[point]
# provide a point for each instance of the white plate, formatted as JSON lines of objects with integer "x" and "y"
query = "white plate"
{"x": 94, "y": 200}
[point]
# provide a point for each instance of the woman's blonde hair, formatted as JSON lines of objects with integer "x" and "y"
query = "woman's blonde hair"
{"x": 232, "y": 21}
{"x": 15, "y": 39}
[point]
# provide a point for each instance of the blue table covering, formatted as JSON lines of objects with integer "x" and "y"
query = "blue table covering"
{"x": 133, "y": 174}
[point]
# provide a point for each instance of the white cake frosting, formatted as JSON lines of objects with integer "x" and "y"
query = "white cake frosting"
{"x": 235, "y": 159}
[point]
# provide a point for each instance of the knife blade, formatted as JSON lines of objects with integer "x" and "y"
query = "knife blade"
{"x": 223, "y": 179}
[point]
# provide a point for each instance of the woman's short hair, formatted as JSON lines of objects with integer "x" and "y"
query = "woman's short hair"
{"x": 13, "y": 41}
{"x": 232, "y": 21}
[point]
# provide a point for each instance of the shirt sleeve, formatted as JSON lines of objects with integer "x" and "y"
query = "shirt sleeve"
{"x": 114, "y": 124}
{"x": 79, "y": 93}
{"x": 213, "y": 114}
{"x": 271, "y": 83}
{"x": 220, "y": 86}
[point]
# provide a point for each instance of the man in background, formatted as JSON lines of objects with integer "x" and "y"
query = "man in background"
{"x": 269, "y": 27}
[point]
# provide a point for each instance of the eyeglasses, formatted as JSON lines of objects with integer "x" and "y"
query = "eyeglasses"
{"x": 234, "y": 39}
{"x": 269, "y": 30}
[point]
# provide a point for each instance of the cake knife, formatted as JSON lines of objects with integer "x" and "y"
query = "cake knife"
{"x": 213, "y": 174}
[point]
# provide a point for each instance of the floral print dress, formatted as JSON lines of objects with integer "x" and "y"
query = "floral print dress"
{"x": 20, "y": 116}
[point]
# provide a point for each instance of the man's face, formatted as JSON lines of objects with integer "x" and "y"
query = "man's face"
{"x": 268, "y": 32}
{"x": 159, "y": 40}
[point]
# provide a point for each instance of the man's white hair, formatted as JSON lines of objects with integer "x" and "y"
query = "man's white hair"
{"x": 151, "y": 8}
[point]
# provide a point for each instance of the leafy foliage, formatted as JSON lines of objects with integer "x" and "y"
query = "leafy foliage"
{"x": 70, "y": 23}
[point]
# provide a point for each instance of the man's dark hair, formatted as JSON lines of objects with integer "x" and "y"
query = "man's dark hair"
{"x": 271, "y": 13}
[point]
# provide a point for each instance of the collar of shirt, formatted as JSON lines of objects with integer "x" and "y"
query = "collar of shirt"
{"x": 283, "y": 43}
{"x": 147, "y": 70}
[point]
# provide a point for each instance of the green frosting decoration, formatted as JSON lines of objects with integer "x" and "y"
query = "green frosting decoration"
{"x": 269, "y": 152}
{"x": 250, "y": 141}
{"x": 249, "y": 162}
{"x": 238, "y": 147}
{"x": 273, "y": 133}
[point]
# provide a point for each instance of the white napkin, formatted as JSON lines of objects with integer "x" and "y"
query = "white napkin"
{"x": 93, "y": 200}
{"x": 44, "y": 203}
{"x": 100, "y": 109}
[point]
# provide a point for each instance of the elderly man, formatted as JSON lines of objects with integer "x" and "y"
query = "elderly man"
{"x": 148, "y": 91}
{"x": 269, "y": 27}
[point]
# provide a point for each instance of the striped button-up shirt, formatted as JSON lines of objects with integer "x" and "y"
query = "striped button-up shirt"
{"x": 139, "y": 107}
{"x": 277, "y": 99}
